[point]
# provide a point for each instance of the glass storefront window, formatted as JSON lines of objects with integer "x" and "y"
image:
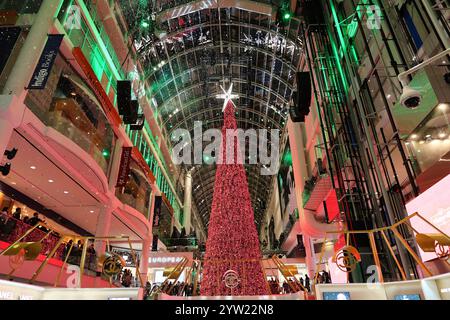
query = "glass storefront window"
{"x": 430, "y": 142}
{"x": 74, "y": 112}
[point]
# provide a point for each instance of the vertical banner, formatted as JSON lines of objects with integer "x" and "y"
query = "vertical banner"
{"x": 45, "y": 64}
{"x": 8, "y": 39}
{"x": 157, "y": 211}
{"x": 124, "y": 167}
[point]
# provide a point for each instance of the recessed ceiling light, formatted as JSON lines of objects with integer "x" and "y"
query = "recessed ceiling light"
{"x": 50, "y": 180}
{"x": 442, "y": 106}
{"x": 33, "y": 167}
{"x": 66, "y": 192}
{"x": 92, "y": 211}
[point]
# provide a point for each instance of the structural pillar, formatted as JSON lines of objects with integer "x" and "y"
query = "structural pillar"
{"x": 187, "y": 202}
{"x": 103, "y": 227}
{"x": 143, "y": 266}
{"x": 300, "y": 175}
{"x": 31, "y": 51}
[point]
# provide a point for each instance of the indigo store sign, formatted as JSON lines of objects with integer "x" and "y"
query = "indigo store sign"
{"x": 44, "y": 67}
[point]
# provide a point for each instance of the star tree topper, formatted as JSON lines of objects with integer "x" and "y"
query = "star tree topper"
{"x": 228, "y": 96}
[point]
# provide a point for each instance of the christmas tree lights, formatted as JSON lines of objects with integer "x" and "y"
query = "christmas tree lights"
{"x": 232, "y": 264}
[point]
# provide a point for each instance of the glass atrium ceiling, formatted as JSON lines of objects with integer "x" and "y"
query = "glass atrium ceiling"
{"x": 190, "y": 49}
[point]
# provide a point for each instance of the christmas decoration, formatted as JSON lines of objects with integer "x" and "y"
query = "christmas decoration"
{"x": 232, "y": 264}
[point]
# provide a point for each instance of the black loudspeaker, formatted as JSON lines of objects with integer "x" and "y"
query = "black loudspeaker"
{"x": 304, "y": 92}
{"x": 139, "y": 124}
{"x": 131, "y": 115}
{"x": 123, "y": 96}
{"x": 295, "y": 114}
{"x": 301, "y": 98}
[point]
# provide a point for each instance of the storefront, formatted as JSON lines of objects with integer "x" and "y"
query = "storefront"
{"x": 161, "y": 265}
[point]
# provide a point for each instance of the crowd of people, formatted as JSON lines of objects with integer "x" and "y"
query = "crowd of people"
{"x": 290, "y": 285}
{"x": 14, "y": 224}
{"x": 180, "y": 289}
{"x": 323, "y": 277}
{"x": 75, "y": 251}
{"x": 9, "y": 221}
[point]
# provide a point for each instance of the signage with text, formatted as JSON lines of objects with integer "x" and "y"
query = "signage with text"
{"x": 124, "y": 168}
{"x": 45, "y": 64}
{"x": 168, "y": 259}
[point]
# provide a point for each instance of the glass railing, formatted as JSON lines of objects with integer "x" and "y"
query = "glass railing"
{"x": 73, "y": 113}
{"x": 90, "y": 5}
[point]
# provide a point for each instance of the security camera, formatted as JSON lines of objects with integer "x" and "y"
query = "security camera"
{"x": 10, "y": 154}
{"x": 5, "y": 169}
{"x": 410, "y": 98}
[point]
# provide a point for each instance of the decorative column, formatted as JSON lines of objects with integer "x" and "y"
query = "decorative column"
{"x": 143, "y": 266}
{"x": 300, "y": 175}
{"x": 31, "y": 51}
{"x": 12, "y": 108}
{"x": 187, "y": 202}
{"x": 310, "y": 256}
{"x": 103, "y": 227}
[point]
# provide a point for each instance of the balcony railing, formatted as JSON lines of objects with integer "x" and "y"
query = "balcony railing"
{"x": 12, "y": 229}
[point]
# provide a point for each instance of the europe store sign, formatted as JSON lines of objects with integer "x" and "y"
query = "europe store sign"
{"x": 167, "y": 259}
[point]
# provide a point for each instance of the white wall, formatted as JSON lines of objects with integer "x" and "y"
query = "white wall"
{"x": 432, "y": 288}
{"x": 18, "y": 291}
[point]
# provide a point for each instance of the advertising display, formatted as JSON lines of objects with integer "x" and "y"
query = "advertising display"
{"x": 124, "y": 168}
{"x": 433, "y": 205}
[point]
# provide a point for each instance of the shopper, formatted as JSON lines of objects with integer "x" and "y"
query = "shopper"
{"x": 34, "y": 220}
{"x": 307, "y": 280}
{"x": 326, "y": 277}
{"x": 17, "y": 214}
{"x": 91, "y": 253}
{"x": 4, "y": 215}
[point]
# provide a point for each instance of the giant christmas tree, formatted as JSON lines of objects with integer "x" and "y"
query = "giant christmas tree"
{"x": 232, "y": 264}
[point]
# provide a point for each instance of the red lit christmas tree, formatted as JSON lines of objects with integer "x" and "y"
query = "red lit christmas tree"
{"x": 232, "y": 264}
